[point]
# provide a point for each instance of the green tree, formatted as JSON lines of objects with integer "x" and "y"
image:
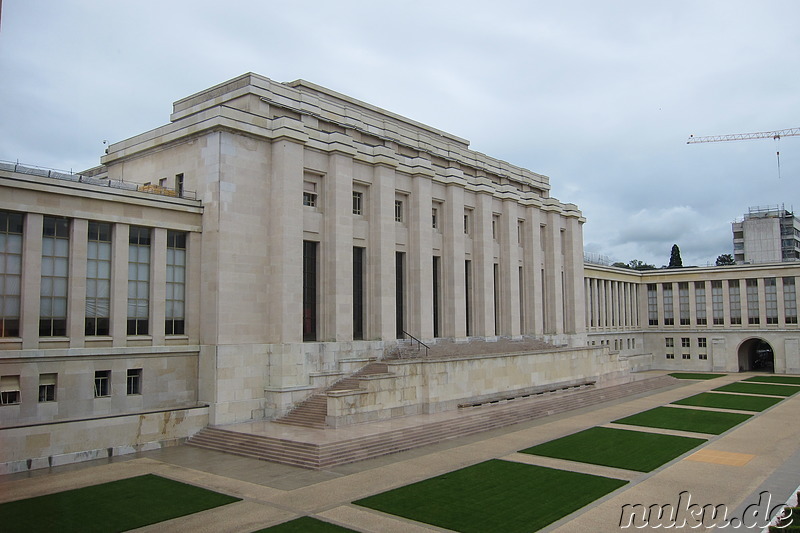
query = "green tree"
{"x": 640, "y": 265}
{"x": 675, "y": 257}
{"x": 725, "y": 260}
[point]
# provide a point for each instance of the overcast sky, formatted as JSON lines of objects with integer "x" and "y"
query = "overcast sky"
{"x": 598, "y": 95}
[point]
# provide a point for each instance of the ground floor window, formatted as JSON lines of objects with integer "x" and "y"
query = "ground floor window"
{"x": 134, "y": 381}
{"x": 102, "y": 383}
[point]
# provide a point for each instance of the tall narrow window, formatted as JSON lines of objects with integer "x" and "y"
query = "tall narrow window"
{"x": 437, "y": 262}
{"x": 683, "y": 302}
{"x": 752, "y": 301}
{"x": 176, "y": 283}
{"x": 179, "y": 184}
{"x": 669, "y": 312}
{"x": 47, "y": 387}
{"x": 98, "y": 279}
{"x": 652, "y": 304}
{"x": 358, "y": 293}
{"x": 102, "y": 383}
{"x": 309, "y": 291}
{"x": 138, "y": 281}
{"x": 468, "y": 294}
{"x": 467, "y": 221}
{"x": 309, "y": 194}
{"x": 10, "y": 272}
{"x": 771, "y": 296}
{"x": 735, "y": 301}
{"x": 496, "y": 284}
{"x": 358, "y": 203}
{"x": 435, "y": 218}
{"x": 716, "y": 303}
{"x": 398, "y": 210}
{"x": 134, "y": 381}
{"x": 789, "y": 301}
{"x": 700, "y": 303}
{"x": 55, "y": 275}
{"x": 522, "y": 300}
{"x": 400, "y": 292}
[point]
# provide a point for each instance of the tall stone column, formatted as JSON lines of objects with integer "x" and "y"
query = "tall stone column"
{"x": 76, "y": 314}
{"x": 528, "y": 288}
{"x": 535, "y": 268}
{"x": 119, "y": 284}
{"x": 381, "y": 321}
{"x": 31, "y": 280}
{"x": 573, "y": 275}
{"x": 420, "y": 258}
{"x": 336, "y": 302}
{"x": 158, "y": 285}
{"x": 483, "y": 267}
{"x": 509, "y": 270}
{"x": 454, "y": 310}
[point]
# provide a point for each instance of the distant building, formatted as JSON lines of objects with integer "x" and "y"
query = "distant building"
{"x": 768, "y": 234}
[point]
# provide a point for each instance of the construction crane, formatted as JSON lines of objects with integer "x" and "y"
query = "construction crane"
{"x": 745, "y": 136}
{"x": 775, "y": 135}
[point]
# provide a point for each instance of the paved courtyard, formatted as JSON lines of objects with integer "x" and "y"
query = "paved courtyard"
{"x": 731, "y": 469}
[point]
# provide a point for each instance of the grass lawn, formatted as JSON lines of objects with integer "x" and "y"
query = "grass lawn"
{"x": 305, "y": 524}
{"x": 620, "y": 448}
{"x": 713, "y": 422}
{"x": 494, "y": 495}
{"x": 693, "y": 375}
{"x": 729, "y": 401}
{"x": 115, "y": 506}
{"x": 759, "y": 388}
{"x": 786, "y": 380}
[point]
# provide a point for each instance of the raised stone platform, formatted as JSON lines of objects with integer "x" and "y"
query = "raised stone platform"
{"x": 323, "y": 448}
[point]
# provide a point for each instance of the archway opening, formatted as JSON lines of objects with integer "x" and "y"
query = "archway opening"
{"x": 756, "y": 355}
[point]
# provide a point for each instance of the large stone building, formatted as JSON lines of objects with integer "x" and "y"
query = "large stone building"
{"x": 275, "y": 237}
{"x": 768, "y": 234}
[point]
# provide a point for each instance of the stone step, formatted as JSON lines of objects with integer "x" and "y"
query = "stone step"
{"x": 474, "y": 420}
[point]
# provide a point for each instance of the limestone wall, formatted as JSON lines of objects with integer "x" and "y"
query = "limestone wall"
{"x": 428, "y": 386}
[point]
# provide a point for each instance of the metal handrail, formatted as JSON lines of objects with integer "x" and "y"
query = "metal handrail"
{"x": 413, "y": 338}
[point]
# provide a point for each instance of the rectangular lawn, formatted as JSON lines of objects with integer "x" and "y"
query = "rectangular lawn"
{"x": 759, "y": 388}
{"x": 694, "y": 375}
{"x": 495, "y": 495}
{"x": 115, "y": 506}
{"x": 738, "y": 402}
{"x": 713, "y": 422}
{"x": 786, "y": 380}
{"x": 619, "y": 448}
{"x": 304, "y": 524}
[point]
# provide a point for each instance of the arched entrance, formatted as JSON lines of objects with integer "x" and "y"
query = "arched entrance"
{"x": 756, "y": 355}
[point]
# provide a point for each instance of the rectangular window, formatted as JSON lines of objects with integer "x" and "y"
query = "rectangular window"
{"x": 496, "y": 227}
{"x": 400, "y": 291}
{"x": 55, "y": 276}
{"x": 175, "y": 314}
{"x": 98, "y": 279}
{"x": 716, "y": 303}
{"x": 686, "y": 342}
{"x": 467, "y": 221}
{"x": 700, "y": 303}
{"x": 358, "y": 203}
{"x": 520, "y": 231}
{"x": 703, "y": 356}
{"x": 309, "y": 194}
{"x": 398, "y": 210}
{"x": 735, "y": 301}
{"x": 669, "y": 312}
{"x": 435, "y": 218}
{"x": 752, "y": 301}
{"x": 47, "y": 387}
{"x": 652, "y": 304}
{"x": 683, "y": 303}
{"x": 437, "y": 292}
{"x": 134, "y": 381}
{"x": 702, "y": 342}
{"x": 309, "y": 291}
{"x": 358, "y": 292}
{"x": 669, "y": 342}
{"x": 686, "y": 356}
{"x": 138, "y": 281}
{"x": 670, "y": 356}
{"x": 468, "y": 294}
{"x": 179, "y": 184}
{"x": 9, "y": 390}
{"x": 771, "y": 297}
{"x": 789, "y": 301}
{"x": 10, "y": 272}
{"x": 102, "y": 383}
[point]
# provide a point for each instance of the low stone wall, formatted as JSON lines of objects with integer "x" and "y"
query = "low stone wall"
{"x": 435, "y": 385}
{"x": 58, "y": 443}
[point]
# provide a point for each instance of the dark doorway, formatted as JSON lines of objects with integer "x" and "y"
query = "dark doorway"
{"x": 309, "y": 291}
{"x": 756, "y": 355}
{"x": 358, "y": 293}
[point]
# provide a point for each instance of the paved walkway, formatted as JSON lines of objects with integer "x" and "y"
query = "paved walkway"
{"x": 733, "y": 469}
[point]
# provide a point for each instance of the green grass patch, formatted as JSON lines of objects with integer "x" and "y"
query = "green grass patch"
{"x": 694, "y": 375}
{"x": 305, "y": 524}
{"x": 116, "y": 506}
{"x": 619, "y": 448}
{"x": 713, "y": 422}
{"x": 759, "y": 388}
{"x": 738, "y": 402}
{"x": 786, "y": 380}
{"x": 495, "y": 495}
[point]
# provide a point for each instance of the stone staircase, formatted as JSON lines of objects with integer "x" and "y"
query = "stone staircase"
{"x": 311, "y": 412}
{"x": 469, "y": 420}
